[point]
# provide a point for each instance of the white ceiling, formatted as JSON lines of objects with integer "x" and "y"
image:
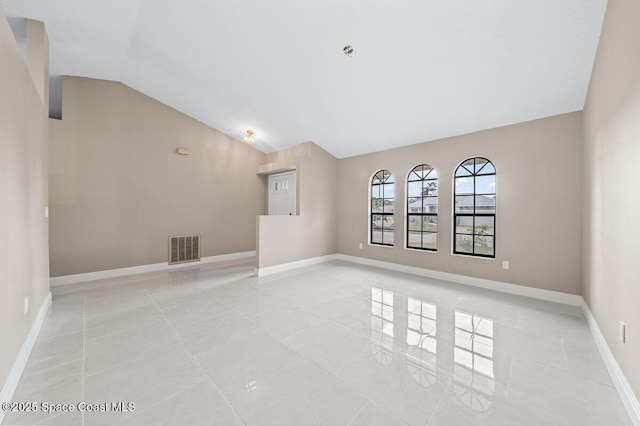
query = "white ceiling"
{"x": 421, "y": 69}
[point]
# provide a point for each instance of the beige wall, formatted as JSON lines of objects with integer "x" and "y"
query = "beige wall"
{"x": 612, "y": 185}
{"x": 284, "y": 239}
{"x": 24, "y": 268}
{"x": 538, "y": 219}
{"x": 118, "y": 188}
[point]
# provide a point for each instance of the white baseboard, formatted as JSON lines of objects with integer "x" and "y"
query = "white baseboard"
{"x": 261, "y": 272}
{"x": 9, "y": 387}
{"x": 617, "y": 376}
{"x": 112, "y": 273}
{"x": 520, "y": 290}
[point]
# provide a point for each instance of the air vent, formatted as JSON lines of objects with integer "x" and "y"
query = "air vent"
{"x": 184, "y": 248}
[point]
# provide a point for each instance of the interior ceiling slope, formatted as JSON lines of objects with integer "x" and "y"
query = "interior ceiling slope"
{"x": 420, "y": 69}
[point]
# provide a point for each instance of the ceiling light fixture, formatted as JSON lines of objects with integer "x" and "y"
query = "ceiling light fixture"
{"x": 248, "y": 138}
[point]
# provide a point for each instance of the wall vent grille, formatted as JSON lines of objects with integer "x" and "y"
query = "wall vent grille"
{"x": 184, "y": 248}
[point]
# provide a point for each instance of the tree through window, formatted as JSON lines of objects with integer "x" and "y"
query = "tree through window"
{"x": 422, "y": 208}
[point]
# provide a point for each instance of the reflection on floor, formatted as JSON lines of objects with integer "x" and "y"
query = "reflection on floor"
{"x": 335, "y": 343}
{"x": 474, "y": 382}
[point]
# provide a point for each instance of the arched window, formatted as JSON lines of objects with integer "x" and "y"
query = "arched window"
{"x": 474, "y": 215}
{"x": 422, "y": 208}
{"x": 382, "y": 196}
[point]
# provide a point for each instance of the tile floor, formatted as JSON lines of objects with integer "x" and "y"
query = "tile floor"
{"x": 332, "y": 344}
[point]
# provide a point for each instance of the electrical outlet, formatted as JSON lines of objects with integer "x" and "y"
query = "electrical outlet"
{"x": 505, "y": 264}
{"x": 26, "y": 305}
{"x": 360, "y": 246}
{"x": 623, "y": 330}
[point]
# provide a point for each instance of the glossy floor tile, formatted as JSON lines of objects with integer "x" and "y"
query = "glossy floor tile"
{"x": 331, "y": 344}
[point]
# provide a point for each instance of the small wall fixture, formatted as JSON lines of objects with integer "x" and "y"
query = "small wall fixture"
{"x": 248, "y": 138}
{"x": 183, "y": 151}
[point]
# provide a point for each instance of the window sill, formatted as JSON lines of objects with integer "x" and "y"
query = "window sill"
{"x": 473, "y": 257}
{"x": 380, "y": 245}
{"x": 421, "y": 251}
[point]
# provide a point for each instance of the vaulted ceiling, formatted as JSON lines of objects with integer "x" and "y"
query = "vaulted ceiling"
{"x": 420, "y": 69}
